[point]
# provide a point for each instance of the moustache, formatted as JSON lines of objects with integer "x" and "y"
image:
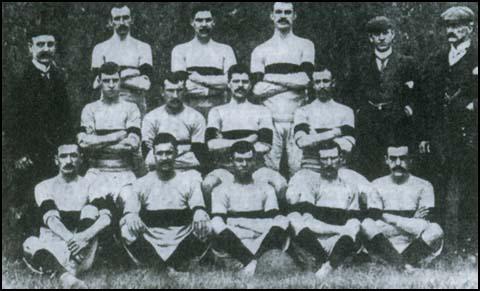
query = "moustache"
{"x": 284, "y": 21}
{"x": 123, "y": 27}
{"x": 399, "y": 169}
{"x": 451, "y": 35}
{"x": 68, "y": 167}
{"x": 44, "y": 55}
{"x": 205, "y": 30}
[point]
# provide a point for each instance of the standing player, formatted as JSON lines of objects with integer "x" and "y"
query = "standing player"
{"x": 283, "y": 66}
{"x": 132, "y": 55}
{"x": 204, "y": 62}
{"x": 323, "y": 207}
{"x": 237, "y": 121}
{"x": 110, "y": 135}
{"x": 405, "y": 233}
{"x": 246, "y": 218}
{"x": 183, "y": 122}
{"x": 323, "y": 120}
{"x": 71, "y": 219}
{"x": 164, "y": 221}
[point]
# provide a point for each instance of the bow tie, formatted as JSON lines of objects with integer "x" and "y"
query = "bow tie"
{"x": 45, "y": 74}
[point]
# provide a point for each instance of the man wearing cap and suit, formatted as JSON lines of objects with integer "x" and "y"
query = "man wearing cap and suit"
{"x": 450, "y": 86}
{"x": 37, "y": 117}
{"x": 381, "y": 88}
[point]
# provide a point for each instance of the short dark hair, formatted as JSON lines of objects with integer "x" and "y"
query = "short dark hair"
{"x": 109, "y": 68}
{"x": 200, "y": 8}
{"x": 238, "y": 69}
{"x": 329, "y": 145}
{"x": 242, "y": 147}
{"x": 68, "y": 140}
{"x": 164, "y": 137}
{"x": 176, "y": 77}
{"x": 324, "y": 67}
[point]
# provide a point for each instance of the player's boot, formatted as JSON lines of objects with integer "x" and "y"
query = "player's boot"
{"x": 69, "y": 281}
{"x": 249, "y": 270}
{"x": 324, "y": 271}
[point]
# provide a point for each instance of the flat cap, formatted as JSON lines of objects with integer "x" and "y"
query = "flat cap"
{"x": 379, "y": 24}
{"x": 458, "y": 14}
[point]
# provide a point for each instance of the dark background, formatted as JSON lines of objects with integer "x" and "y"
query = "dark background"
{"x": 337, "y": 29}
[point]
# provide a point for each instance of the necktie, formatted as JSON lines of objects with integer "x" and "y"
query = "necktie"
{"x": 383, "y": 64}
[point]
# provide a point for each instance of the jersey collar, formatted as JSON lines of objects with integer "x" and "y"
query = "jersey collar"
{"x": 383, "y": 55}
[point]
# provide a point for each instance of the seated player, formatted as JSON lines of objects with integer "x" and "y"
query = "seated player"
{"x": 68, "y": 237}
{"x": 183, "y": 122}
{"x": 237, "y": 121}
{"x": 323, "y": 120}
{"x": 246, "y": 219}
{"x": 406, "y": 233}
{"x": 110, "y": 136}
{"x": 164, "y": 221}
{"x": 323, "y": 207}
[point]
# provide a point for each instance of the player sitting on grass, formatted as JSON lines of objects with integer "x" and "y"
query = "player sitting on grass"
{"x": 67, "y": 241}
{"x": 157, "y": 225}
{"x": 406, "y": 233}
{"x": 246, "y": 218}
{"x": 322, "y": 208}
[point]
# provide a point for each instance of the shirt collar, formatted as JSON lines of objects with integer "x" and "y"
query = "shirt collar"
{"x": 383, "y": 55}
{"x": 41, "y": 67}
{"x": 329, "y": 102}
{"x": 463, "y": 46}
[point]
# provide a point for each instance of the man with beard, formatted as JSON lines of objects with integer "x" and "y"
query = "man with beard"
{"x": 183, "y": 122}
{"x": 37, "y": 118}
{"x": 322, "y": 210}
{"x": 406, "y": 233}
{"x": 204, "y": 62}
{"x": 132, "y": 55}
{"x": 382, "y": 86}
{"x": 164, "y": 222}
{"x": 323, "y": 120}
{"x": 283, "y": 77}
{"x": 110, "y": 135}
{"x": 451, "y": 126}
{"x": 246, "y": 219}
{"x": 237, "y": 121}
{"x": 72, "y": 221}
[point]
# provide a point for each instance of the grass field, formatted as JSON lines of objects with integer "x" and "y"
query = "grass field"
{"x": 275, "y": 270}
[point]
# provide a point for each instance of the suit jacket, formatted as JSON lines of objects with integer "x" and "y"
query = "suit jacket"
{"x": 367, "y": 83}
{"x": 38, "y": 113}
{"x": 446, "y": 119}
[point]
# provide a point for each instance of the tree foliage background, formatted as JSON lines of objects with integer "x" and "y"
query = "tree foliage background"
{"x": 337, "y": 29}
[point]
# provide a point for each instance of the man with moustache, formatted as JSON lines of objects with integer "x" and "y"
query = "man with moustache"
{"x": 282, "y": 67}
{"x": 72, "y": 221}
{"x": 237, "y": 121}
{"x": 406, "y": 233}
{"x": 132, "y": 55}
{"x": 451, "y": 126}
{"x": 37, "y": 118}
{"x": 204, "y": 62}
{"x": 323, "y": 211}
{"x": 164, "y": 221}
{"x": 323, "y": 120}
{"x": 110, "y": 135}
{"x": 381, "y": 88}
{"x": 246, "y": 218}
{"x": 180, "y": 120}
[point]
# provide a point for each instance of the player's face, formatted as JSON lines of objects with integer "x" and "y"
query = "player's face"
{"x": 383, "y": 40}
{"x": 121, "y": 20}
{"x": 43, "y": 48}
{"x": 203, "y": 24}
{"x": 68, "y": 159}
{"x": 323, "y": 85}
{"x": 174, "y": 94}
{"x": 243, "y": 164}
{"x": 329, "y": 163}
{"x": 283, "y": 15}
{"x": 240, "y": 86}
{"x": 458, "y": 33}
{"x": 165, "y": 155}
{"x": 398, "y": 161}
{"x": 110, "y": 85}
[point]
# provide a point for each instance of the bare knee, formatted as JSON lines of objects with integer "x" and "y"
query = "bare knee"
{"x": 369, "y": 228}
{"x": 89, "y": 212}
{"x": 432, "y": 234}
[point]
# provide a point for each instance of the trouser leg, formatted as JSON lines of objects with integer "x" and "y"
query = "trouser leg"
{"x": 275, "y": 239}
{"x": 344, "y": 248}
{"x": 189, "y": 248}
{"x": 228, "y": 242}
{"x": 307, "y": 240}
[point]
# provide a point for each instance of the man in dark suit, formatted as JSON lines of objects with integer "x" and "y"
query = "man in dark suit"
{"x": 450, "y": 86}
{"x": 37, "y": 119}
{"x": 381, "y": 87}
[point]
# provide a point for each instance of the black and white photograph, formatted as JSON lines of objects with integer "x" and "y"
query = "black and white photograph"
{"x": 239, "y": 145}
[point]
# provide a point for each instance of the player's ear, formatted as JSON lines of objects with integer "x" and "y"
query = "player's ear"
{"x": 272, "y": 16}
{"x": 294, "y": 17}
{"x": 370, "y": 38}
{"x": 30, "y": 46}
{"x": 57, "y": 162}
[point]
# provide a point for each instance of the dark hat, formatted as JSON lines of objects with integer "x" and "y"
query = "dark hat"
{"x": 379, "y": 24}
{"x": 42, "y": 29}
{"x": 458, "y": 14}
